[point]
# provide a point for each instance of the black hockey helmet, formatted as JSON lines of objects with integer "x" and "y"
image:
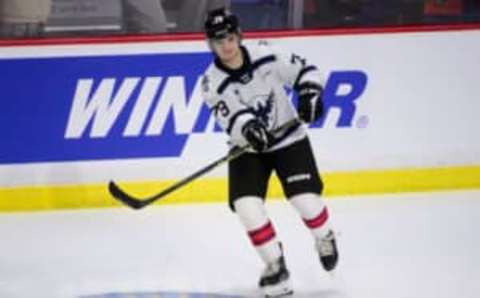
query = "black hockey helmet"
{"x": 220, "y": 22}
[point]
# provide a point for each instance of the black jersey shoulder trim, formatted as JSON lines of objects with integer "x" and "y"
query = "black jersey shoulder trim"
{"x": 262, "y": 61}
{"x": 234, "y": 118}
{"x": 302, "y": 72}
{"x": 227, "y": 81}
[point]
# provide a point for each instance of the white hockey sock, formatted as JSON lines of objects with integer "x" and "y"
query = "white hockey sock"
{"x": 314, "y": 213}
{"x": 253, "y": 215}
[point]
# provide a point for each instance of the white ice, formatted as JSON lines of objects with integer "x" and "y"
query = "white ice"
{"x": 406, "y": 245}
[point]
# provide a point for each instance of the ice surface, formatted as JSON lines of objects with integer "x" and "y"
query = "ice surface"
{"x": 406, "y": 245}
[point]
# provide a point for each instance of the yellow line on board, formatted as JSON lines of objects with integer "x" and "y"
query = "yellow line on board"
{"x": 38, "y": 198}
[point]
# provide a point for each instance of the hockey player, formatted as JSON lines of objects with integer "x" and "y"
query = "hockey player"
{"x": 245, "y": 89}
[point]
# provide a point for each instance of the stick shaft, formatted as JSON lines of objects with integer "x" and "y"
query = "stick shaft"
{"x": 138, "y": 203}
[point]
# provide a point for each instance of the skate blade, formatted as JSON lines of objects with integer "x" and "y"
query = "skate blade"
{"x": 290, "y": 293}
{"x": 333, "y": 273}
{"x": 283, "y": 289}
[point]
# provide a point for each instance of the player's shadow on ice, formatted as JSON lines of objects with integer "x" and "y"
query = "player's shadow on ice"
{"x": 318, "y": 294}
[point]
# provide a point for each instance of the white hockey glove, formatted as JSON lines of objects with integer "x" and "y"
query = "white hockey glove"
{"x": 310, "y": 104}
{"x": 257, "y": 135}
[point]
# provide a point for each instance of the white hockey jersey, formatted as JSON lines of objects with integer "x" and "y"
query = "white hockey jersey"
{"x": 258, "y": 90}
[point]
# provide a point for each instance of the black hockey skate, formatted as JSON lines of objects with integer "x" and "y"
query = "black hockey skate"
{"x": 327, "y": 251}
{"x": 275, "y": 280}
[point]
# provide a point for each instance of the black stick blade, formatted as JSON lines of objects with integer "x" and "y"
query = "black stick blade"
{"x": 123, "y": 197}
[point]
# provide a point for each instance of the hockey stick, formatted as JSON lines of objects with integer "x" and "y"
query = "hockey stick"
{"x": 138, "y": 203}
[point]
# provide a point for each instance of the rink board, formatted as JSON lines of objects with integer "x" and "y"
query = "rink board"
{"x": 208, "y": 190}
{"x": 400, "y": 116}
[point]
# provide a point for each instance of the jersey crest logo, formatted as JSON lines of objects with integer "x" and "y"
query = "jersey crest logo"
{"x": 263, "y": 108}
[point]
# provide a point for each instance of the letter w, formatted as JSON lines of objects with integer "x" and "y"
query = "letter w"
{"x": 102, "y": 105}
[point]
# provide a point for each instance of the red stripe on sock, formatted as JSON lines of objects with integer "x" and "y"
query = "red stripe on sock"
{"x": 318, "y": 221}
{"x": 262, "y": 235}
